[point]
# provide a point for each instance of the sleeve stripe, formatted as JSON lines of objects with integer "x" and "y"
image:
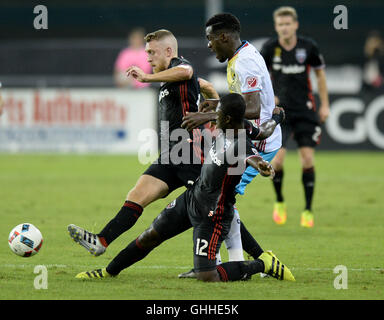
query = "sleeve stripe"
{"x": 251, "y": 91}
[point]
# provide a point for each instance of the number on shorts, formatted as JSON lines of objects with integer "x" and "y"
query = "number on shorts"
{"x": 317, "y": 134}
{"x": 199, "y": 250}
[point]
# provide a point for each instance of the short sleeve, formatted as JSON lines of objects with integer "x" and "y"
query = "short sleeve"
{"x": 315, "y": 58}
{"x": 249, "y": 75}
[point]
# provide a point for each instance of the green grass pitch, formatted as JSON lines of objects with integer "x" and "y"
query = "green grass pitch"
{"x": 53, "y": 191}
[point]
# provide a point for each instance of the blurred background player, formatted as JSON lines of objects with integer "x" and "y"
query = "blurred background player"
{"x": 373, "y": 72}
{"x": 208, "y": 206}
{"x": 133, "y": 55}
{"x": 289, "y": 58}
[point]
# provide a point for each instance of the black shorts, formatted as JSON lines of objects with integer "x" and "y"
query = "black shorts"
{"x": 208, "y": 233}
{"x": 303, "y": 127}
{"x": 175, "y": 176}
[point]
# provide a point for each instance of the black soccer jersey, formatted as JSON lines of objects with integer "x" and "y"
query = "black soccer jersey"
{"x": 290, "y": 72}
{"x": 175, "y": 99}
{"x": 221, "y": 172}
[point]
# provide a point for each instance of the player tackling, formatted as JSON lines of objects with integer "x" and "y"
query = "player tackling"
{"x": 208, "y": 205}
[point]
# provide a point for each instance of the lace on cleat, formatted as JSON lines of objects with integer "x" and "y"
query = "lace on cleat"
{"x": 279, "y": 212}
{"x": 95, "y": 274}
{"x": 274, "y": 268}
{"x": 86, "y": 239}
{"x": 189, "y": 274}
{"x": 307, "y": 219}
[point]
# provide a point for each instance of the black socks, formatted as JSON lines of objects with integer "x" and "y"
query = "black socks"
{"x": 250, "y": 245}
{"x": 239, "y": 270}
{"x": 308, "y": 179}
{"x": 277, "y": 184}
{"x": 123, "y": 221}
{"x": 132, "y": 253}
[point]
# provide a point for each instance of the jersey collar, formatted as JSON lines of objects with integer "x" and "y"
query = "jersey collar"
{"x": 244, "y": 44}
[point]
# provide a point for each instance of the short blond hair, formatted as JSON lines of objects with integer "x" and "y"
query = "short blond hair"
{"x": 285, "y": 11}
{"x": 158, "y": 35}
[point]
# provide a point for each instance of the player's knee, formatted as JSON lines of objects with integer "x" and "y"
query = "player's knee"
{"x": 208, "y": 276}
{"x": 135, "y": 193}
{"x": 307, "y": 161}
{"x": 278, "y": 163}
{"x": 149, "y": 239}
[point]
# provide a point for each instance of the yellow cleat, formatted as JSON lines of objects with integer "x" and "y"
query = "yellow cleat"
{"x": 280, "y": 212}
{"x": 307, "y": 219}
{"x": 95, "y": 274}
{"x": 274, "y": 268}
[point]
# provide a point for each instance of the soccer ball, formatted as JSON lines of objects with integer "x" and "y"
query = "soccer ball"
{"x": 25, "y": 240}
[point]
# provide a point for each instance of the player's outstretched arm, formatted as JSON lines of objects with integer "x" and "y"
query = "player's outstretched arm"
{"x": 194, "y": 119}
{"x": 207, "y": 89}
{"x": 266, "y": 129}
{"x": 175, "y": 74}
{"x": 252, "y": 105}
{"x": 261, "y": 165}
{"x": 210, "y": 95}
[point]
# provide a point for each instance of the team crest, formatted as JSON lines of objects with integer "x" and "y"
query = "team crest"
{"x": 252, "y": 82}
{"x": 301, "y": 55}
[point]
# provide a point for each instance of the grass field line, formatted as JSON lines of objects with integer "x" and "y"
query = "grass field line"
{"x": 86, "y": 267}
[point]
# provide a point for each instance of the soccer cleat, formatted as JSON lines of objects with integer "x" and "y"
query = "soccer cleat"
{"x": 274, "y": 267}
{"x": 280, "y": 212}
{"x": 95, "y": 274}
{"x": 88, "y": 240}
{"x": 307, "y": 219}
{"x": 190, "y": 274}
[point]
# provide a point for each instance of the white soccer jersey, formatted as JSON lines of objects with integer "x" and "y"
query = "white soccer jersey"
{"x": 247, "y": 73}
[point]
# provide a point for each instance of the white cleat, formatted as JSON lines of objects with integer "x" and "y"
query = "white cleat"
{"x": 88, "y": 240}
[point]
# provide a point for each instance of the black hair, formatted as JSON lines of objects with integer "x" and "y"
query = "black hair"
{"x": 224, "y": 21}
{"x": 233, "y": 105}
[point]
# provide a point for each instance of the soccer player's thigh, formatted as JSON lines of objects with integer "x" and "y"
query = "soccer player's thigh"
{"x": 204, "y": 252}
{"x": 207, "y": 239}
{"x": 173, "y": 220}
{"x": 307, "y": 135}
{"x": 152, "y": 185}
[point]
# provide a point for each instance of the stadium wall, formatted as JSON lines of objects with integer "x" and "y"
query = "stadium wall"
{"x": 78, "y": 120}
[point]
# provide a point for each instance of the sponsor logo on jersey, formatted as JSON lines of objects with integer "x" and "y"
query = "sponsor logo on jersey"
{"x": 290, "y": 69}
{"x": 163, "y": 93}
{"x": 214, "y": 157}
{"x": 301, "y": 55}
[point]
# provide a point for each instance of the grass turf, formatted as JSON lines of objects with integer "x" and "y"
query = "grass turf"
{"x": 52, "y": 191}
